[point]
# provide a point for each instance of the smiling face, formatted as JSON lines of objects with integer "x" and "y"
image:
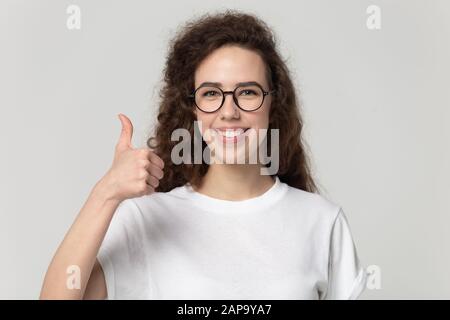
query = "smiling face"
{"x": 226, "y": 130}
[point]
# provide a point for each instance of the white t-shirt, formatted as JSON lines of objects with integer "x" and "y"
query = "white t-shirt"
{"x": 283, "y": 244}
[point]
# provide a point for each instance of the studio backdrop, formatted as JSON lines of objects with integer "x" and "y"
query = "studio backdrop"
{"x": 372, "y": 76}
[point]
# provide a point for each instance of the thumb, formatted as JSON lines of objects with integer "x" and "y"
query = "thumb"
{"x": 126, "y": 133}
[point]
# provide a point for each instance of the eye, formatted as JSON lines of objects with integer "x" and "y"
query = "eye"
{"x": 210, "y": 93}
{"x": 248, "y": 92}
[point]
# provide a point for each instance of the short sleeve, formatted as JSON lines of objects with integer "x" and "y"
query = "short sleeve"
{"x": 346, "y": 276}
{"x": 120, "y": 250}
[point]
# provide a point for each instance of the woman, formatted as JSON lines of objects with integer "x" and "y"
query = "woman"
{"x": 155, "y": 227}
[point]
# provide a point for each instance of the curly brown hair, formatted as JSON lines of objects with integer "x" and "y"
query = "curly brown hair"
{"x": 194, "y": 42}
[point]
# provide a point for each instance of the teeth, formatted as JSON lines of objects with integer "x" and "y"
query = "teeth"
{"x": 230, "y": 133}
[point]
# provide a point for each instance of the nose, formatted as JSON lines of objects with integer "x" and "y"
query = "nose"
{"x": 229, "y": 109}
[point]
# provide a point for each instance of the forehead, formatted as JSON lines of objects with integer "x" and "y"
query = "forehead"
{"x": 230, "y": 65}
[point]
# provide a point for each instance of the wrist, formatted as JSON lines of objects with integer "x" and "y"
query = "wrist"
{"x": 104, "y": 191}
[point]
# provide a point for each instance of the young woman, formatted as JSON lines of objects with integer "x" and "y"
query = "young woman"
{"x": 155, "y": 228}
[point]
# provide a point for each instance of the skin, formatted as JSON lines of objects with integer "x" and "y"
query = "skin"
{"x": 133, "y": 173}
{"x": 230, "y": 65}
{"x": 136, "y": 172}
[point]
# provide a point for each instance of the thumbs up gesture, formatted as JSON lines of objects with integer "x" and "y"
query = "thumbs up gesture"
{"x": 134, "y": 172}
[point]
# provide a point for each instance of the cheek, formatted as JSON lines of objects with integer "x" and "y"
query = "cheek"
{"x": 205, "y": 121}
{"x": 263, "y": 115}
{"x": 260, "y": 120}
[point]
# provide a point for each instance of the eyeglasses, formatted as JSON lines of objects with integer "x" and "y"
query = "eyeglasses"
{"x": 210, "y": 98}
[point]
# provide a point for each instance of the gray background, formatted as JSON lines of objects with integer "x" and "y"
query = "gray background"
{"x": 376, "y": 108}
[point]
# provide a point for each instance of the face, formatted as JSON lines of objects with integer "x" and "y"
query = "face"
{"x": 231, "y": 132}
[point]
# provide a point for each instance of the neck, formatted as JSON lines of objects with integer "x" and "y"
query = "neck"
{"x": 235, "y": 182}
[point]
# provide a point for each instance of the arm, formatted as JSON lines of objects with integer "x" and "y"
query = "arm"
{"x": 134, "y": 173}
{"x": 96, "y": 286}
{"x": 80, "y": 247}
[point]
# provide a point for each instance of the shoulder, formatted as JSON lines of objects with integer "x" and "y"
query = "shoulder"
{"x": 317, "y": 205}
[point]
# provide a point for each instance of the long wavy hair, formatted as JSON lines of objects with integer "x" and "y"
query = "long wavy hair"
{"x": 193, "y": 43}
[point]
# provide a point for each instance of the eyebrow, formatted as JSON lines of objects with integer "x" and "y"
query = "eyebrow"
{"x": 219, "y": 84}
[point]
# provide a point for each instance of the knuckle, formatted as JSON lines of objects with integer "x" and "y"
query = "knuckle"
{"x": 144, "y": 153}
{"x": 145, "y": 163}
{"x": 142, "y": 186}
{"x": 143, "y": 174}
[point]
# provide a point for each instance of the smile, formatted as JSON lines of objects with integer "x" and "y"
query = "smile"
{"x": 231, "y": 134}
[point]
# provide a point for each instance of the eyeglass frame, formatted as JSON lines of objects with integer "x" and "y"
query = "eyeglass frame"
{"x": 224, "y": 93}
